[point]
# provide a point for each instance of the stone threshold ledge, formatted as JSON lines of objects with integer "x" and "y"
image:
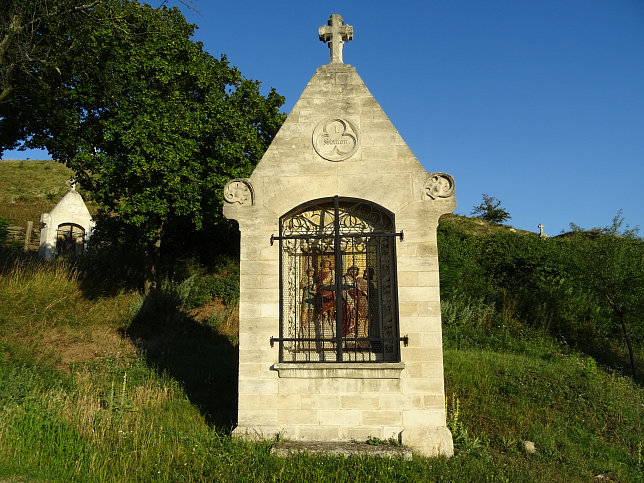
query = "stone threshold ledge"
{"x": 342, "y": 370}
{"x": 340, "y": 448}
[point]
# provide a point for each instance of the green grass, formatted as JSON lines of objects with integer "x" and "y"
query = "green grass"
{"x": 30, "y": 188}
{"x": 112, "y": 387}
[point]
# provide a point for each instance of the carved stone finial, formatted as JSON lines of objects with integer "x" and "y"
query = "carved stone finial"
{"x": 238, "y": 191}
{"x": 439, "y": 185}
{"x": 542, "y": 234}
{"x": 72, "y": 183}
{"x": 336, "y": 34}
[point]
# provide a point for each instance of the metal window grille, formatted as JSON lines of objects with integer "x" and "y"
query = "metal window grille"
{"x": 338, "y": 297}
{"x": 70, "y": 239}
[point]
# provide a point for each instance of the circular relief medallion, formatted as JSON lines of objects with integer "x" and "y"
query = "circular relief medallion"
{"x": 335, "y": 139}
{"x": 439, "y": 185}
{"x": 238, "y": 191}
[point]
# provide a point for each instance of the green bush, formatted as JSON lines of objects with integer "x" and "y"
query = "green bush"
{"x": 513, "y": 282}
{"x": 4, "y": 229}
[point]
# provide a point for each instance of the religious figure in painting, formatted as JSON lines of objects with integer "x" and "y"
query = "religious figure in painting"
{"x": 374, "y": 304}
{"x": 355, "y": 320}
{"x": 326, "y": 292}
{"x": 309, "y": 293}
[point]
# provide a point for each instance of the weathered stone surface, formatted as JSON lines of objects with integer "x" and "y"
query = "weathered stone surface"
{"x": 338, "y": 448}
{"x": 337, "y": 141}
{"x": 72, "y": 212}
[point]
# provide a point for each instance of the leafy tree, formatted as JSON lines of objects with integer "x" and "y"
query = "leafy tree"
{"x": 151, "y": 124}
{"x": 613, "y": 269}
{"x": 490, "y": 210}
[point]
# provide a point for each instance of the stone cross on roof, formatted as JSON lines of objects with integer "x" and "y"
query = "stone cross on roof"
{"x": 336, "y": 34}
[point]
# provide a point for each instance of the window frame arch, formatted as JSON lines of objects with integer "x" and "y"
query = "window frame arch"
{"x": 362, "y": 325}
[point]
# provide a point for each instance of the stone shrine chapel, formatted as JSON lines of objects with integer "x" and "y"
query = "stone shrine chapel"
{"x": 67, "y": 228}
{"x": 339, "y": 314}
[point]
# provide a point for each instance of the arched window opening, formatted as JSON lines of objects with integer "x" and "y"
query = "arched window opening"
{"x": 338, "y": 296}
{"x": 70, "y": 240}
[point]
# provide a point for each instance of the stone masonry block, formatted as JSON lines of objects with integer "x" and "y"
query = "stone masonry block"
{"x": 382, "y": 417}
{"x": 362, "y": 401}
{"x": 407, "y": 308}
{"x": 420, "y": 294}
{"x": 269, "y": 310}
{"x": 424, "y": 386}
{"x": 423, "y": 417}
{"x": 257, "y": 417}
{"x": 251, "y": 370}
{"x": 319, "y": 433}
{"x": 380, "y": 386}
{"x": 428, "y": 279}
{"x": 320, "y": 401}
{"x": 432, "y": 339}
{"x": 249, "y": 402}
{"x": 339, "y": 386}
{"x": 434, "y": 402}
{"x": 258, "y": 386}
{"x": 408, "y": 279}
{"x": 297, "y": 386}
{"x": 401, "y": 401}
{"x": 343, "y": 417}
{"x": 297, "y": 416}
{"x": 422, "y": 354}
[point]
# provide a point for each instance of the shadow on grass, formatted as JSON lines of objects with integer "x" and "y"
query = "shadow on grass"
{"x": 204, "y": 362}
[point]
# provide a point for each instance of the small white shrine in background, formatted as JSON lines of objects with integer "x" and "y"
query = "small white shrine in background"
{"x": 67, "y": 228}
{"x": 339, "y": 313}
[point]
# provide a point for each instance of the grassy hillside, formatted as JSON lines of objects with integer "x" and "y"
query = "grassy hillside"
{"x": 30, "y": 188}
{"x": 98, "y": 383}
{"x": 113, "y": 387}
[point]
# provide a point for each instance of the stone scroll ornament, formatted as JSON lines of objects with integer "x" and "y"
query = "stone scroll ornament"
{"x": 439, "y": 185}
{"x": 239, "y": 191}
{"x": 335, "y": 139}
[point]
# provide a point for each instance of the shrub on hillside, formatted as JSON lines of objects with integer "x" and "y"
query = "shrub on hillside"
{"x": 4, "y": 229}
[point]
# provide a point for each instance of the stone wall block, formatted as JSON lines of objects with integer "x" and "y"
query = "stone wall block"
{"x": 298, "y": 416}
{"x": 401, "y": 401}
{"x": 426, "y": 386}
{"x": 342, "y": 417}
{"x": 423, "y": 417}
{"x": 381, "y": 386}
{"x": 258, "y": 417}
{"x": 319, "y": 433}
{"x": 382, "y": 417}
{"x": 361, "y": 401}
{"x": 408, "y": 279}
{"x": 257, "y": 386}
{"x": 297, "y": 386}
{"x": 318, "y": 401}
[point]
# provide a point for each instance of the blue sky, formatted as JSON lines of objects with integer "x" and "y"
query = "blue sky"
{"x": 540, "y": 104}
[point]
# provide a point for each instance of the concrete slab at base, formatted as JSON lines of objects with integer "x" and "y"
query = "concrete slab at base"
{"x": 337, "y": 448}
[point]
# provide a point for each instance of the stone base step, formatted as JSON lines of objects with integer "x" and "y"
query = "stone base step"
{"x": 340, "y": 448}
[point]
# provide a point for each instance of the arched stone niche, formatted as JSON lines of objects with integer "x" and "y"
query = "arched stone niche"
{"x": 67, "y": 228}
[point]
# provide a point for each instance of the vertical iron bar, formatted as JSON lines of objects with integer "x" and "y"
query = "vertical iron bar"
{"x": 394, "y": 299}
{"x": 381, "y": 323}
{"x": 338, "y": 277}
{"x": 281, "y": 306}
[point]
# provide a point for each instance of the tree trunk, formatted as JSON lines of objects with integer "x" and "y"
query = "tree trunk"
{"x": 152, "y": 257}
{"x": 630, "y": 348}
